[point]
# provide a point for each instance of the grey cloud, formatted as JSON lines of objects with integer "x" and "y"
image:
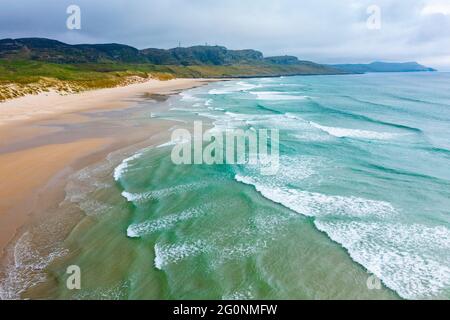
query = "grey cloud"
{"x": 320, "y": 30}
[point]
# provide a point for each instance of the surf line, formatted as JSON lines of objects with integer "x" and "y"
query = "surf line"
{"x": 229, "y": 146}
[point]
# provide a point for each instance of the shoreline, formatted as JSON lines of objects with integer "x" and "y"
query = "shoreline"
{"x": 90, "y": 228}
{"x": 44, "y": 105}
{"x": 47, "y": 137}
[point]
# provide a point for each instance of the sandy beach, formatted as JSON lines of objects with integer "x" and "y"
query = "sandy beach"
{"x": 46, "y": 137}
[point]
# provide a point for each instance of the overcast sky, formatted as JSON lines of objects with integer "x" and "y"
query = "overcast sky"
{"x": 327, "y": 31}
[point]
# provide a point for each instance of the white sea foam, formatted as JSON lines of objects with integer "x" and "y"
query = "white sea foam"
{"x": 248, "y": 86}
{"x": 161, "y": 193}
{"x": 247, "y": 241}
{"x": 290, "y": 85}
{"x": 166, "y": 222}
{"x": 293, "y": 116}
{"x": 227, "y": 123}
{"x": 280, "y": 121}
{"x": 413, "y": 260}
{"x": 277, "y": 96}
{"x": 119, "y": 291}
{"x": 311, "y": 136}
{"x": 86, "y": 181}
{"x": 219, "y": 91}
{"x": 233, "y": 120}
{"x": 239, "y": 295}
{"x": 292, "y": 169}
{"x": 172, "y": 253}
{"x": 239, "y": 251}
{"x": 173, "y": 142}
{"x": 240, "y": 86}
{"x": 319, "y": 205}
{"x": 94, "y": 208}
{"x": 184, "y": 109}
{"x": 28, "y": 266}
{"x": 189, "y": 97}
{"x": 226, "y": 245}
{"x": 122, "y": 167}
{"x": 355, "y": 133}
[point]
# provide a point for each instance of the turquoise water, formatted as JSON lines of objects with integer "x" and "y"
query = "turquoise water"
{"x": 366, "y": 157}
{"x": 362, "y": 194}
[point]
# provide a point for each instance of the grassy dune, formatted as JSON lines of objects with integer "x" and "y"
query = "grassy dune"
{"x": 18, "y": 78}
{"x": 21, "y": 77}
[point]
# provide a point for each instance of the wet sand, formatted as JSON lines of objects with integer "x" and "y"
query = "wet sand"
{"x": 45, "y": 138}
{"x": 41, "y": 106}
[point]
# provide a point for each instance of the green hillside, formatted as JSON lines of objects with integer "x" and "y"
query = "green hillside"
{"x": 32, "y": 65}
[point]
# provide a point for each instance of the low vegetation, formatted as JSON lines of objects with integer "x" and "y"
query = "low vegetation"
{"x": 34, "y": 65}
{"x": 21, "y": 77}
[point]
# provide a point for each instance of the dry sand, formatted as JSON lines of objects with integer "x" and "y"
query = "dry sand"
{"x": 46, "y": 137}
{"x": 41, "y": 106}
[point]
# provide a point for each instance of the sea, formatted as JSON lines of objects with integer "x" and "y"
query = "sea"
{"x": 359, "y": 208}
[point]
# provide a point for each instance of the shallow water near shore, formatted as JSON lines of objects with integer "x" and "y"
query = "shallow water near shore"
{"x": 362, "y": 194}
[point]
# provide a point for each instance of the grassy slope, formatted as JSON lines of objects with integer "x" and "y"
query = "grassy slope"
{"x": 18, "y": 78}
